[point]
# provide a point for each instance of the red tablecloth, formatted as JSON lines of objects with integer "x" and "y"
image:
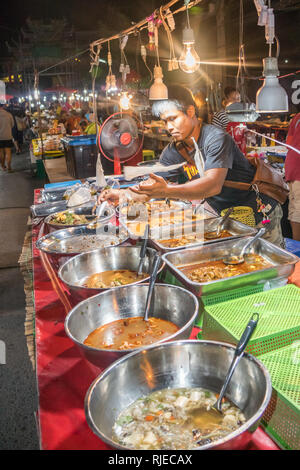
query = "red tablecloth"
{"x": 63, "y": 375}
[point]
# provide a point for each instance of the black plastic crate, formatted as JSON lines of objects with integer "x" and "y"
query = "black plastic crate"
{"x": 81, "y": 160}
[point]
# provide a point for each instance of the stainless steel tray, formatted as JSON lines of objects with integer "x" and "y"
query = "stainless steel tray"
{"x": 136, "y": 228}
{"x": 282, "y": 264}
{"x": 66, "y": 243}
{"x": 175, "y": 205}
{"x": 82, "y": 210}
{"x": 236, "y": 228}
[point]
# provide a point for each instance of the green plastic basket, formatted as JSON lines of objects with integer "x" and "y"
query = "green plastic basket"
{"x": 169, "y": 278}
{"x": 281, "y": 419}
{"x": 279, "y": 319}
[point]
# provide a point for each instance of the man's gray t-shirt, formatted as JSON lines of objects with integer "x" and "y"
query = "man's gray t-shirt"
{"x": 220, "y": 151}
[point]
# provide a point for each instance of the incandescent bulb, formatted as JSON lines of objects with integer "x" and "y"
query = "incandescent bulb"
{"x": 189, "y": 60}
{"x": 125, "y": 101}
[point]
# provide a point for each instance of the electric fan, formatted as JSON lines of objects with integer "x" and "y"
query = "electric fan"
{"x": 120, "y": 139}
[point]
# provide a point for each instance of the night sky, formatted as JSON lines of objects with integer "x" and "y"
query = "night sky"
{"x": 82, "y": 15}
{"x": 86, "y": 15}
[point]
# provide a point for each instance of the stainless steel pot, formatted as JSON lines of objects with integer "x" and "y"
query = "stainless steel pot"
{"x": 170, "y": 303}
{"x": 76, "y": 270}
{"x": 62, "y": 245}
{"x": 173, "y": 365}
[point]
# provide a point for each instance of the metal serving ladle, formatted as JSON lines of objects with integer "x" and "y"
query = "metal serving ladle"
{"x": 215, "y": 413}
{"x": 241, "y": 257}
{"x": 143, "y": 249}
{"x": 153, "y": 275}
{"x": 97, "y": 214}
{"x": 217, "y": 233}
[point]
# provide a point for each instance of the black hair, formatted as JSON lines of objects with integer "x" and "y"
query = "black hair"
{"x": 178, "y": 96}
{"x": 228, "y": 90}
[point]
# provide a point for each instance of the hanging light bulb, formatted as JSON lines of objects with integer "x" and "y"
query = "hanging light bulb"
{"x": 158, "y": 91}
{"x": 271, "y": 97}
{"x": 125, "y": 100}
{"x": 189, "y": 60}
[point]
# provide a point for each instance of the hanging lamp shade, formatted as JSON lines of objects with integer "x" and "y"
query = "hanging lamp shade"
{"x": 158, "y": 91}
{"x": 271, "y": 97}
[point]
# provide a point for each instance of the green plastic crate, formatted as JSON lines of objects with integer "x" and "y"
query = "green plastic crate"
{"x": 281, "y": 419}
{"x": 279, "y": 319}
{"x": 169, "y": 278}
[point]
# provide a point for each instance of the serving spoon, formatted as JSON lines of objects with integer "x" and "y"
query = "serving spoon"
{"x": 217, "y": 233}
{"x": 153, "y": 275}
{"x": 238, "y": 259}
{"x": 97, "y": 212}
{"x": 143, "y": 250}
{"x": 215, "y": 412}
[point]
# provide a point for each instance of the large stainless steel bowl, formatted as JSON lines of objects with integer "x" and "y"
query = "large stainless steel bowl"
{"x": 64, "y": 244}
{"x": 82, "y": 210}
{"x": 170, "y": 303}
{"x": 76, "y": 270}
{"x": 174, "y": 365}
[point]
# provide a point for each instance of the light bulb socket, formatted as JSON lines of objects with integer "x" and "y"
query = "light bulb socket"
{"x": 270, "y": 65}
{"x": 188, "y": 36}
{"x": 158, "y": 72}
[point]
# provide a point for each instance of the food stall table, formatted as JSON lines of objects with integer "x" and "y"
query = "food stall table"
{"x": 63, "y": 375}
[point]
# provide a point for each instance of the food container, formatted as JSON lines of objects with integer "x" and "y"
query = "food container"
{"x": 64, "y": 244}
{"x": 86, "y": 210}
{"x": 171, "y": 303}
{"x": 180, "y": 213}
{"x": 282, "y": 265}
{"x": 53, "y": 196}
{"x": 43, "y": 210}
{"x": 76, "y": 270}
{"x": 175, "y": 365}
{"x": 237, "y": 230}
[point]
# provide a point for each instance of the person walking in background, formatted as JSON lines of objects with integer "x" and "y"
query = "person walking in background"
{"x": 21, "y": 127}
{"x": 292, "y": 175}
{"x": 14, "y": 130}
{"x": 6, "y": 138}
{"x": 220, "y": 119}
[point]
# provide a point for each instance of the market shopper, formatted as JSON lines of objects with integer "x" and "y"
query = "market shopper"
{"x": 6, "y": 138}
{"x": 292, "y": 175}
{"x": 223, "y": 161}
{"x": 220, "y": 118}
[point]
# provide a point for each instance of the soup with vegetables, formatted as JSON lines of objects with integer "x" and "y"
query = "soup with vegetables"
{"x": 130, "y": 333}
{"x": 175, "y": 419}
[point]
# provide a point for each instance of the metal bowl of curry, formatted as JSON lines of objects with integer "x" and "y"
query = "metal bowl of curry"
{"x": 95, "y": 325}
{"x": 108, "y": 268}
